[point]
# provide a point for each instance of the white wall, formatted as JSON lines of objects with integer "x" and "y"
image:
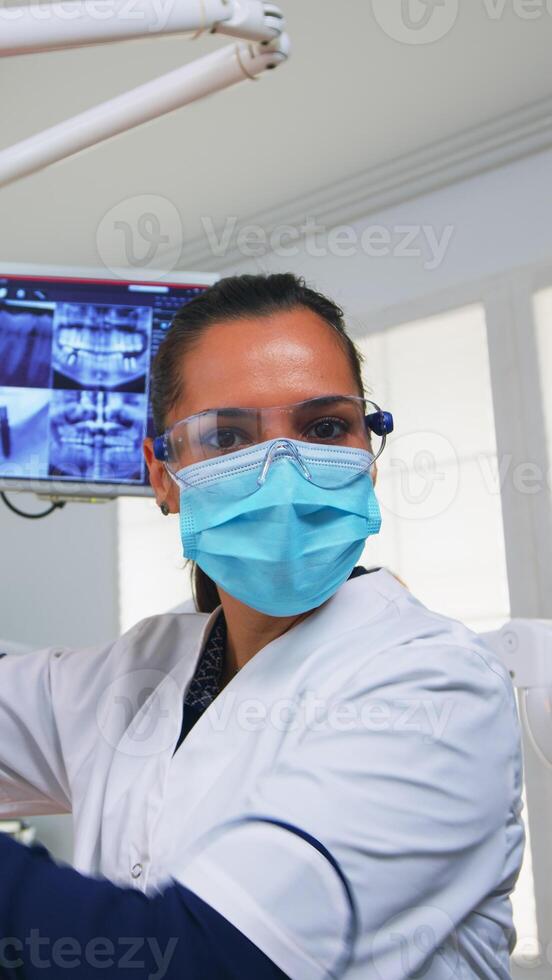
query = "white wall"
{"x": 58, "y": 576}
{"x": 498, "y": 220}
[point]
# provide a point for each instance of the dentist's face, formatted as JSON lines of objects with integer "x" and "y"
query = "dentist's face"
{"x": 256, "y": 363}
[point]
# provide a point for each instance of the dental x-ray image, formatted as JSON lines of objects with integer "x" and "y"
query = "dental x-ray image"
{"x": 25, "y": 343}
{"x": 24, "y": 433}
{"x": 97, "y": 435}
{"x": 101, "y": 347}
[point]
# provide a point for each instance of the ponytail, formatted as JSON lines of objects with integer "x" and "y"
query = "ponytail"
{"x": 205, "y": 592}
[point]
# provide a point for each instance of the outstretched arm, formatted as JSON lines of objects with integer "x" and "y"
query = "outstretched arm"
{"x": 53, "y": 918}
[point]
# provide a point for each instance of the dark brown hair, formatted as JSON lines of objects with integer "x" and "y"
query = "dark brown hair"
{"x": 234, "y": 298}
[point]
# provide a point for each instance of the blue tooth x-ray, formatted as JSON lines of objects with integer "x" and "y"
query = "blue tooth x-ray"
{"x": 25, "y": 344}
{"x": 24, "y": 433}
{"x": 75, "y": 362}
{"x": 101, "y": 347}
{"x": 97, "y": 435}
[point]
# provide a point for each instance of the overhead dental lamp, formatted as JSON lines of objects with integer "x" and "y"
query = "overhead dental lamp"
{"x": 78, "y": 23}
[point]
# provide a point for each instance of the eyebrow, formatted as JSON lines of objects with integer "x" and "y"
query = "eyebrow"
{"x": 319, "y": 400}
{"x": 326, "y": 400}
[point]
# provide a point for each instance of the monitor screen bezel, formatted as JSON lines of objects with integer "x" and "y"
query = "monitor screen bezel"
{"x": 65, "y": 489}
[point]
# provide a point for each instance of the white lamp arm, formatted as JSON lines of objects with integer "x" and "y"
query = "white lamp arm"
{"x": 206, "y": 75}
{"x": 76, "y": 23}
{"x": 254, "y": 20}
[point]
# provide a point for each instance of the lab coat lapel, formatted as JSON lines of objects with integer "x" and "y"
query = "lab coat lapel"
{"x": 269, "y": 689}
{"x": 142, "y": 753}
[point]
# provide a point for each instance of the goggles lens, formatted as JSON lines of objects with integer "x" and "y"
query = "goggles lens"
{"x": 345, "y": 421}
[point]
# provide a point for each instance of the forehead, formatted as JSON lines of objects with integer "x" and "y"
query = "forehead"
{"x": 264, "y": 361}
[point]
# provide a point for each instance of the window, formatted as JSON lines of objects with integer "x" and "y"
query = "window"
{"x": 437, "y": 480}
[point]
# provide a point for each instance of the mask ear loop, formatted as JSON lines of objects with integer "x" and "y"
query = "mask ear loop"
{"x": 179, "y": 483}
{"x": 380, "y": 450}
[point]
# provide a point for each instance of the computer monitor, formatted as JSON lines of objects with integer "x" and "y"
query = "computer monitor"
{"x": 76, "y": 348}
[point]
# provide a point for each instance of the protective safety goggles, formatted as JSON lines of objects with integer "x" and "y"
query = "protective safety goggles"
{"x": 347, "y": 421}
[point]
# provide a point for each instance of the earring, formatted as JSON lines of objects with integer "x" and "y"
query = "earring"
{"x": 164, "y": 508}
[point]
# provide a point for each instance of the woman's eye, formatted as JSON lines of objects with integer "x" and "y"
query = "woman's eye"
{"x": 327, "y": 429}
{"x": 225, "y": 440}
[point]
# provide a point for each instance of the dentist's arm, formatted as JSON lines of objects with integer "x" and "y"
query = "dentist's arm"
{"x": 53, "y": 919}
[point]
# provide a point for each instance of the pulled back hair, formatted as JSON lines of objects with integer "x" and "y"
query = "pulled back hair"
{"x": 230, "y": 299}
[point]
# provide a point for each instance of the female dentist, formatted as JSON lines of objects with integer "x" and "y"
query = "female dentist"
{"x": 314, "y": 776}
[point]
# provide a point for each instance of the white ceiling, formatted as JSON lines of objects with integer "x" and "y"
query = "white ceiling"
{"x": 350, "y": 99}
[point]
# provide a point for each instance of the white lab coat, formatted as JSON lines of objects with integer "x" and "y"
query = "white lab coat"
{"x": 386, "y": 732}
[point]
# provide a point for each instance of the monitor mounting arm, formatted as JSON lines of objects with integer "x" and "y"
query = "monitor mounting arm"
{"x": 264, "y": 45}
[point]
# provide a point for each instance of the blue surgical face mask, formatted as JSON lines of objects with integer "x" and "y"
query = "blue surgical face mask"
{"x": 279, "y": 525}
